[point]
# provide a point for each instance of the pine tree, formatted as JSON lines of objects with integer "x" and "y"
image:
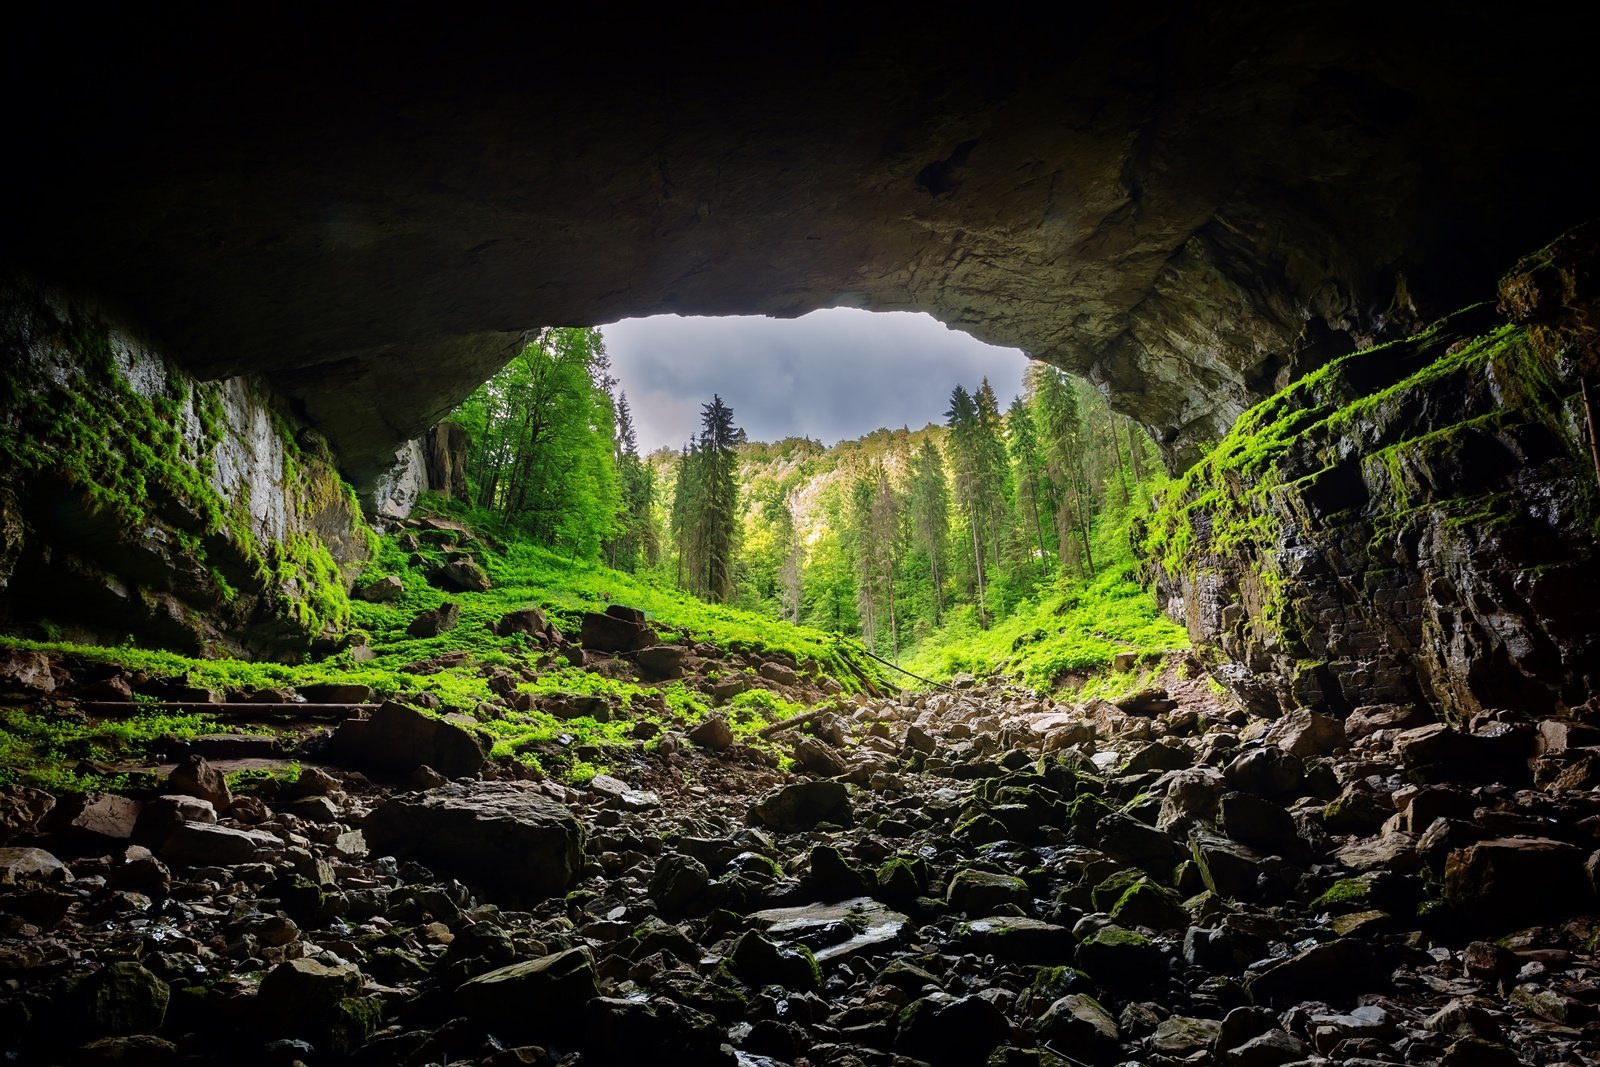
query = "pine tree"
{"x": 966, "y": 461}
{"x": 635, "y": 543}
{"x": 930, "y": 517}
{"x": 1061, "y": 440}
{"x": 705, "y": 506}
{"x": 1028, "y": 464}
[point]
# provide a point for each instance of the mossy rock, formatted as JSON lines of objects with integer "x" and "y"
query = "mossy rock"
{"x": 759, "y": 962}
{"x": 1149, "y": 905}
{"x": 120, "y": 998}
{"x": 1121, "y": 959}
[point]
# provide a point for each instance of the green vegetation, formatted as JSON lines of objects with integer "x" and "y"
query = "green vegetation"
{"x": 541, "y": 434}
{"x": 71, "y": 753}
{"x": 145, "y": 457}
{"x": 455, "y": 668}
{"x": 1236, "y": 503}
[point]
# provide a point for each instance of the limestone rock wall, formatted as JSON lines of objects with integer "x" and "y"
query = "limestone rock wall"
{"x": 1411, "y": 523}
{"x": 137, "y": 500}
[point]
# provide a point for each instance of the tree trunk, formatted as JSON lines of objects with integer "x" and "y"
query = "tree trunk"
{"x": 977, "y": 559}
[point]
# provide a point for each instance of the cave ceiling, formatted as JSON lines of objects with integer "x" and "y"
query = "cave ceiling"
{"x": 1186, "y": 203}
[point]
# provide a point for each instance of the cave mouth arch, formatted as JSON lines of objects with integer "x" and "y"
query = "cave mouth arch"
{"x": 1185, "y": 205}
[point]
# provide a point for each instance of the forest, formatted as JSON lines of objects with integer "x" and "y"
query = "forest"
{"x": 924, "y": 543}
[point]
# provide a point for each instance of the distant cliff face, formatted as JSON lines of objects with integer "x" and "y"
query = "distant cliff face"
{"x": 137, "y": 500}
{"x": 1412, "y": 523}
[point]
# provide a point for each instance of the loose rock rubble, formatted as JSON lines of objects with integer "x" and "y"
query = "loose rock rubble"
{"x": 976, "y": 876}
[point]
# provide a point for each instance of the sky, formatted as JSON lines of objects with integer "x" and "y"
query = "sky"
{"x": 831, "y": 375}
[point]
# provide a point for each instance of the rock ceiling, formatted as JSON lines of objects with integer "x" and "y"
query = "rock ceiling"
{"x": 1187, "y": 203}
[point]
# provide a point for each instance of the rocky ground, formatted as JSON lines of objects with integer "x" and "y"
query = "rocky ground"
{"x": 973, "y": 876}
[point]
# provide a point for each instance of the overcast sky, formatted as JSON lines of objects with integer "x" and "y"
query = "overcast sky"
{"x": 831, "y": 375}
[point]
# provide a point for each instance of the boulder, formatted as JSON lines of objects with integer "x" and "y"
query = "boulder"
{"x": 383, "y": 591}
{"x": 22, "y": 808}
{"x": 194, "y": 777}
{"x": 1150, "y": 701}
{"x": 530, "y": 621}
{"x": 801, "y": 806}
{"x": 658, "y": 663}
{"x": 437, "y": 621}
{"x": 120, "y": 998}
{"x": 1183, "y": 1035}
{"x": 1268, "y": 772}
{"x": 1016, "y": 939}
{"x": 507, "y": 838}
{"x": 620, "y": 1030}
{"x": 1190, "y": 800}
{"x": 978, "y": 892}
{"x": 1149, "y": 905}
{"x": 945, "y": 1030}
{"x": 617, "y": 629}
{"x": 713, "y": 732}
{"x": 1078, "y": 1021}
{"x": 758, "y": 962}
{"x": 1506, "y": 882}
{"x": 781, "y": 673}
{"x": 537, "y": 997}
{"x": 35, "y": 866}
{"x": 1335, "y": 972}
{"x": 1259, "y": 823}
{"x": 462, "y": 575}
{"x": 25, "y": 674}
{"x": 307, "y": 998}
{"x": 399, "y": 738}
{"x": 164, "y": 814}
{"x": 1369, "y": 719}
{"x": 814, "y": 756}
{"x": 197, "y": 844}
{"x": 1229, "y": 869}
{"x": 1306, "y": 733}
{"x": 94, "y": 820}
{"x": 1121, "y": 959}
{"x": 679, "y": 884}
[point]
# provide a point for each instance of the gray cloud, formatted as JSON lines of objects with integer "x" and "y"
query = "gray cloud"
{"x": 832, "y": 374}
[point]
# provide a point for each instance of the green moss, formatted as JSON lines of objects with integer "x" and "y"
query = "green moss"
{"x": 1345, "y": 891}
{"x": 128, "y": 458}
{"x": 1234, "y": 505}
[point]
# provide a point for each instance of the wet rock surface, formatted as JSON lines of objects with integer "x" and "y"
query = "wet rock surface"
{"x": 1254, "y": 893}
{"x": 1429, "y": 528}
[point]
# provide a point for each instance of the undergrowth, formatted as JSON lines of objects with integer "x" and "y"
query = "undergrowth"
{"x": 1068, "y": 635}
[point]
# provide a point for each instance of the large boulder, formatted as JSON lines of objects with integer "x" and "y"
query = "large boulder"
{"x": 21, "y": 809}
{"x": 194, "y": 777}
{"x": 530, "y": 621}
{"x": 399, "y": 738}
{"x": 617, "y": 629}
{"x": 462, "y": 575}
{"x": 94, "y": 820}
{"x": 198, "y": 844}
{"x": 1511, "y": 881}
{"x": 120, "y": 998}
{"x": 515, "y": 843}
{"x": 801, "y": 806}
{"x": 24, "y": 866}
{"x": 437, "y": 621}
{"x": 535, "y": 997}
